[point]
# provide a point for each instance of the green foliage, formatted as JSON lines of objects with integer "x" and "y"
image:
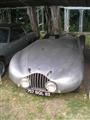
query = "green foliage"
{"x": 20, "y": 16}
{"x": 87, "y": 20}
{"x": 74, "y": 20}
{"x": 88, "y": 39}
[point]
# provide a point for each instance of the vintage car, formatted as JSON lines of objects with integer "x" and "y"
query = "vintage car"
{"x": 12, "y": 39}
{"x": 52, "y": 65}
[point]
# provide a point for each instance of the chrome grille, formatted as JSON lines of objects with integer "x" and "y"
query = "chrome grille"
{"x": 38, "y": 80}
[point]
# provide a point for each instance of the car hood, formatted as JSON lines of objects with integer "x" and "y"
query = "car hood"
{"x": 52, "y": 57}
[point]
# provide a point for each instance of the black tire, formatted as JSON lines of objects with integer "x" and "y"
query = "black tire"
{"x": 2, "y": 67}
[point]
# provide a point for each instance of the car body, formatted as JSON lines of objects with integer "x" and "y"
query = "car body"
{"x": 49, "y": 66}
{"x": 12, "y": 39}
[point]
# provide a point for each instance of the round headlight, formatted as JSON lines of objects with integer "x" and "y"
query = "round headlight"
{"x": 50, "y": 86}
{"x": 25, "y": 83}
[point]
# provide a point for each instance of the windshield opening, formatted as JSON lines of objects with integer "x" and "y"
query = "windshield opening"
{"x": 4, "y": 35}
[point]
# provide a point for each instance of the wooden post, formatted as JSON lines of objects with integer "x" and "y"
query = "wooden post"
{"x": 31, "y": 11}
{"x": 66, "y": 19}
{"x": 48, "y": 19}
{"x": 56, "y": 19}
{"x": 40, "y": 17}
{"x": 81, "y": 20}
{"x": 42, "y": 11}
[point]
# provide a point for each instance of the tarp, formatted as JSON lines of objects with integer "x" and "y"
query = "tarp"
{"x": 21, "y": 3}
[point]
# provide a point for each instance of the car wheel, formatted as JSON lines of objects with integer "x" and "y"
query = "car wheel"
{"x": 2, "y": 68}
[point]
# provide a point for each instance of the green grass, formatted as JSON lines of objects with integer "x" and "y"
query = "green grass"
{"x": 16, "y": 104}
{"x": 88, "y": 39}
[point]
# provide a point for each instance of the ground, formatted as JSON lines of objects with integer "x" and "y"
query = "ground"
{"x": 16, "y": 104}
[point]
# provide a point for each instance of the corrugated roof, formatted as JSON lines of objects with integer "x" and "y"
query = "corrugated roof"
{"x": 21, "y": 3}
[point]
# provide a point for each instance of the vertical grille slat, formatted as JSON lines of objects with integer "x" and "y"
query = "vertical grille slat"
{"x": 35, "y": 84}
{"x": 38, "y": 80}
{"x": 32, "y": 80}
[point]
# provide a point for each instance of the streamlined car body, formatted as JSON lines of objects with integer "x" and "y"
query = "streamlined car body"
{"x": 12, "y": 39}
{"x": 49, "y": 66}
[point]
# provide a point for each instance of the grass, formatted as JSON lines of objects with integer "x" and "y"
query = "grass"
{"x": 16, "y": 104}
{"x": 88, "y": 39}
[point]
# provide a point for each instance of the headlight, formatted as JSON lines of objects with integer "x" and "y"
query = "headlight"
{"x": 25, "y": 82}
{"x": 51, "y": 87}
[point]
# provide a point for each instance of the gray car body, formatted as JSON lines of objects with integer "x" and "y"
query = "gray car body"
{"x": 8, "y": 49}
{"x": 62, "y": 56}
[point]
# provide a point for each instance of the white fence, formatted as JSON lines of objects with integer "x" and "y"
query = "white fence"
{"x": 67, "y": 17}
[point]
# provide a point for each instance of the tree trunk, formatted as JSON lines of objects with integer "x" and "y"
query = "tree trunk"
{"x": 48, "y": 19}
{"x": 56, "y": 19}
{"x": 31, "y": 11}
